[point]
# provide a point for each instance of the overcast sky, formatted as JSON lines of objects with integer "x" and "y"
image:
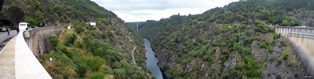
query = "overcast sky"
{"x": 142, "y": 10}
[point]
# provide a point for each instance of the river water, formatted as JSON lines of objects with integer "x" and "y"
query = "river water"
{"x": 151, "y": 61}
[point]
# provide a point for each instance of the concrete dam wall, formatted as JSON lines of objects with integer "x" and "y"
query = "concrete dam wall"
{"x": 38, "y": 39}
{"x": 302, "y": 39}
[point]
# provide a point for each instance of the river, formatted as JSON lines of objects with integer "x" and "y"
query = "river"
{"x": 151, "y": 61}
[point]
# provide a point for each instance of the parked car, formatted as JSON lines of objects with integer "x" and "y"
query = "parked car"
{"x": 2, "y": 29}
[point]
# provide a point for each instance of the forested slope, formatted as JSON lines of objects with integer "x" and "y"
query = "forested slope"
{"x": 56, "y": 11}
{"x": 84, "y": 51}
{"x": 231, "y": 42}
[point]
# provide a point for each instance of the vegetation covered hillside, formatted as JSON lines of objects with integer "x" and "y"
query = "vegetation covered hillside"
{"x": 55, "y": 12}
{"x": 233, "y": 42}
{"x": 84, "y": 51}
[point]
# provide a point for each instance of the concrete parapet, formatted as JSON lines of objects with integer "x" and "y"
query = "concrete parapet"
{"x": 38, "y": 38}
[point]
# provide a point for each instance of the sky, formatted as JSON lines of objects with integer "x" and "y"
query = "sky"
{"x": 142, "y": 10}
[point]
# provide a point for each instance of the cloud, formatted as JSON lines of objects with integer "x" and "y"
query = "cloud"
{"x": 142, "y": 10}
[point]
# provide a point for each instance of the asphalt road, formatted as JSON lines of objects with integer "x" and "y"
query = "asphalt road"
{"x": 4, "y": 37}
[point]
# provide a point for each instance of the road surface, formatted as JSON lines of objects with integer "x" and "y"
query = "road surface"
{"x": 4, "y": 37}
{"x": 133, "y": 55}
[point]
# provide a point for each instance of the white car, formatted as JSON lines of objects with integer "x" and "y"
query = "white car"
{"x": 2, "y": 29}
{"x": 23, "y": 26}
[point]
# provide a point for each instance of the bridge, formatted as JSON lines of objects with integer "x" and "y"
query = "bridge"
{"x": 18, "y": 58}
{"x": 302, "y": 39}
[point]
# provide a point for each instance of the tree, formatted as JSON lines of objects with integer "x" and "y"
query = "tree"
{"x": 1, "y": 4}
{"x": 290, "y": 21}
{"x": 30, "y": 20}
{"x": 36, "y": 18}
{"x": 15, "y": 14}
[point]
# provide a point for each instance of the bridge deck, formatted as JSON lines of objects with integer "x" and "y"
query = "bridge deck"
{"x": 17, "y": 61}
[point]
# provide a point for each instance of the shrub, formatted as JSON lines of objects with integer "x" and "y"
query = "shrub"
{"x": 30, "y": 20}
{"x": 39, "y": 16}
{"x": 290, "y": 21}
{"x": 94, "y": 63}
{"x": 268, "y": 46}
{"x": 78, "y": 43}
{"x": 95, "y": 46}
{"x": 274, "y": 19}
{"x": 34, "y": 3}
{"x": 70, "y": 38}
{"x": 262, "y": 27}
{"x": 97, "y": 75}
{"x": 54, "y": 40}
{"x": 120, "y": 73}
{"x": 78, "y": 26}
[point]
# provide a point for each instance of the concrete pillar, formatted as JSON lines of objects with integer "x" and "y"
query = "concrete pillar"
{"x": 281, "y": 30}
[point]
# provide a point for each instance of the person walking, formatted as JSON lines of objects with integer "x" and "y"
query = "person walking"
{"x": 8, "y": 30}
{"x": 17, "y": 30}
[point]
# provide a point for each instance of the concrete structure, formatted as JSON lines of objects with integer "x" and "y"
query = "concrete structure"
{"x": 38, "y": 39}
{"x": 92, "y": 24}
{"x": 18, "y": 61}
{"x": 303, "y": 40}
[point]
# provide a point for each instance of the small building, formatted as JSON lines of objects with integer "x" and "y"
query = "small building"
{"x": 92, "y": 24}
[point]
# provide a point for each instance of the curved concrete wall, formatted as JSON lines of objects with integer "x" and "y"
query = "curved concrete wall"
{"x": 303, "y": 43}
{"x": 38, "y": 39}
{"x": 26, "y": 64}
